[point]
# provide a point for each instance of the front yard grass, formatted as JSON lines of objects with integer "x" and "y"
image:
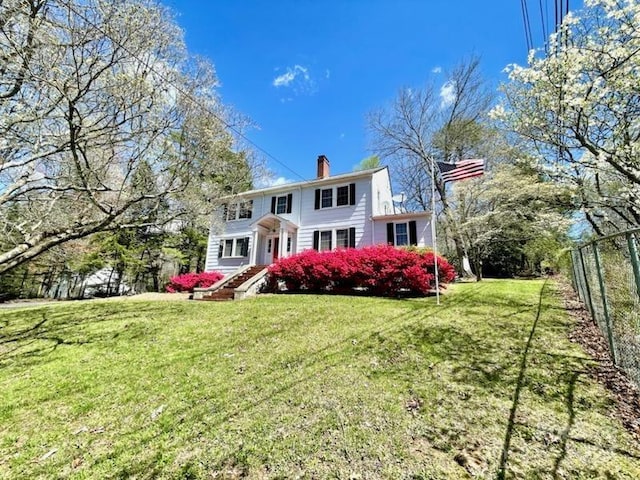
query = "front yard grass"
{"x": 485, "y": 385}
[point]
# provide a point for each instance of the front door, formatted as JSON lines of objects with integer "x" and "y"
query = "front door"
{"x": 276, "y": 248}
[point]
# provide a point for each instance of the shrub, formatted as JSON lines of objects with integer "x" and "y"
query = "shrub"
{"x": 188, "y": 281}
{"x": 379, "y": 270}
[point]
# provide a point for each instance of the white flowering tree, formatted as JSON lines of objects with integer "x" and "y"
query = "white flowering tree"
{"x": 105, "y": 122}
{"x": 504, "y": 216}
{"x": 579, "y": 107}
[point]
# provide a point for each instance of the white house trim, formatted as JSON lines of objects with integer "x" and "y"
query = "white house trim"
{"x": 279, "y": 228}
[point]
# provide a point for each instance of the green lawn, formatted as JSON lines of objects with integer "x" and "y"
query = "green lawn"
{"x": 306, "y": 386}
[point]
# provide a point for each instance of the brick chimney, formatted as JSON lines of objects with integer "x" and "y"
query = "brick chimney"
{"x": 323, "y": 166}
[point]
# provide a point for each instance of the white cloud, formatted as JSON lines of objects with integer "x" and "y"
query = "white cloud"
{"x": 280, "y": 181}
{"x": 447, "y": 94}
{"x": 272, "y": 181}
{"x": 436, "y": 70}
{"x": 287, "y": 78}
{"x": 327, "y": 73}
{"x": 297, "y": 80}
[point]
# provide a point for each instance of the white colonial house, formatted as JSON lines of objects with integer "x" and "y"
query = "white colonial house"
{"x": 330, "y": 212}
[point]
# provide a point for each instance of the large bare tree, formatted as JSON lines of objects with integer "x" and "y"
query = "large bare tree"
{"x": 105, "y": 122}
{"x": 429, "y": 124}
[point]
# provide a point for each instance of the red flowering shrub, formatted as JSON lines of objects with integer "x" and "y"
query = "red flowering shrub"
{"x": 378, "y": 270}
{"x": 188, "y": 281}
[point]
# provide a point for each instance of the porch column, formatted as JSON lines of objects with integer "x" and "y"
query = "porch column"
{"x": 254, "y": 248}
{"x": 283, "y": 241}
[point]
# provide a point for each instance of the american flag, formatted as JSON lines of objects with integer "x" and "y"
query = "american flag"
{"x": 461, "y": 170}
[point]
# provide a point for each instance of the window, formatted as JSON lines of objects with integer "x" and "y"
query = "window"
{"x": 281, "y": 204}
{"x": 237, "y": 210}
{"x": 288, "y": 244}
{"x": 342, "y": 196}
{"x": 325, "y": 240}
{"x": 402, "y": 235}
{"x": 245, "y": 209}
{"x": 228, "y": 248}
{"x": 269, "y": 245}
{"x": 342, "y": 238}
{"x": 242, "y": 245}
{"x": 234, "y": 247}
{"x": 327, "y": 198}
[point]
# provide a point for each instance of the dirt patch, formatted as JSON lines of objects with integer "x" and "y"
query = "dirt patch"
{"x": 588, "y": 335}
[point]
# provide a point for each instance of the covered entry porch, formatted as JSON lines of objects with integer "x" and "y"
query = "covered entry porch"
{"x": 273, "y": 237}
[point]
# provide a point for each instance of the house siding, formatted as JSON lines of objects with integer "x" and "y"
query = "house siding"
{"x": 423, "y": 230}
{"x": 381, "y": 202}
{"x": 372, "y": 198}
{"x": 335, "y": 217}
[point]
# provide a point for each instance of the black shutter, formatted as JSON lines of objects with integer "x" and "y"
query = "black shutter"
{"x": 317, "y": 207}
{"x": 289, "y": 202}
{"x": 352, "y": 237}
{"x": 352, "y": 194}
{"x": 413, "y": 235}
{"x": 273, "y": 204}
{"x": 316, "y": 239}
{"x": 250, "y": 212}
{"x": 245, "y": 247}
{"x": 225, "y": 209}
{"x": 220, "y": 248}
{"x": 390, "y": 234}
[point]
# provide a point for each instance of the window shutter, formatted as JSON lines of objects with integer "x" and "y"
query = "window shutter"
{"x": 273, "y": 204}
{"x": 390, "y": 234}
{"x": 352, "y": 194}
{"x": 317, "y": 206}
{"x": 225, "y": 210}
{"x": 220, "y": 248}
{"x": 413, "y": 235}
{"x": 245, "y": 247}
{"x": 289, "y": 202}
{"x": 352, "y": 237}
{"x": 316, "y": 239}
{"x": 250, "y": 212}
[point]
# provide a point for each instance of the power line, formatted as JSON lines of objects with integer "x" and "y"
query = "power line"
{"x": 187, "y": 95}
{"x": 544, "y": 23}
{"x": 527, "y": 25}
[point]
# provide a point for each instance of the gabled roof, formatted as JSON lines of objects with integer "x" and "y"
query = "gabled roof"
{"x": 316, "y": 182}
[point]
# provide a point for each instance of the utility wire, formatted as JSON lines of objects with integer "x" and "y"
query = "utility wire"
{"x": 527, "y": 25}
{"x": 544, "y": 24}
{"x": 187, "y": 95}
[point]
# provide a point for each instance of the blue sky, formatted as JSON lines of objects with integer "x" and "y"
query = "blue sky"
{"x": 307, "y": 72}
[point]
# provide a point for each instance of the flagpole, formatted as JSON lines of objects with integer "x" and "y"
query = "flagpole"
{"x": 433, "y": 229}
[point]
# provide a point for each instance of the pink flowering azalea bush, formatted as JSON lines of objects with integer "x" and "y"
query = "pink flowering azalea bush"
{"x": 188, "y": 281}
{"x": 379, "y": 270}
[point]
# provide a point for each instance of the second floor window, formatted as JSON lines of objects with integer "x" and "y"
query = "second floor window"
{"x": 281, "y": 204}
{"x": 343, "y": 195}
{"x": 327, "y": 198}
{"x": 237, "y": 210}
